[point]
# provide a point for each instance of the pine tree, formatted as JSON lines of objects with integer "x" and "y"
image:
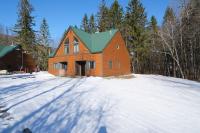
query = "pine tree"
{"x": 43, "y": 48}
{"x": 85, "y": 24}
{"x": 103, "y": 17}
{"x": 44, "y": 33}
{"x": 154, "y": 24}
{"x": 116, "y": 15}
{"x": 169, "y": 16}
{"x": 136, "y": 20}
{"x": 24, "y": 27}
{"x": 154, "y": 57}
{"x": 92, "y": 24}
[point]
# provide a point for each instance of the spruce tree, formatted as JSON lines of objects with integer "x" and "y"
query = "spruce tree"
{"x": 116, "y": 15}
{"x": 154, "y": 24}
{"x": 85, "y": 24}
{"x": 169, "y": 16}
{"x": 24, "y": 27}
{"x": 44, "y": 33}
{"x": 43, "y": 48}
{"x": 92, "y": 24}
{"x": 136, "y": 21}
{"x": 103, "y": 18}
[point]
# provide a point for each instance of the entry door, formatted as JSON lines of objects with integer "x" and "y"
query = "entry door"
{"x": 83, "y": 69}
{"x": 80, "y": 68}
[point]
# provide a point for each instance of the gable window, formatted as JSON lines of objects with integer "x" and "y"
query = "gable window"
{"x": 117, "y": 46}
{"x": 66, "y": 46}
{"x": 76, "y": 45}
{"x": 110, "y": 64}
{"x": 92, "y": 64}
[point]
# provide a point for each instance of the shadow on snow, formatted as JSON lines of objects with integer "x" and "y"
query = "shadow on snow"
{"x": 65, "y": 113}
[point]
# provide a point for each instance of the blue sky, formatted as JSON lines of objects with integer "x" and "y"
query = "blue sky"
{"x": 62, "y": 13}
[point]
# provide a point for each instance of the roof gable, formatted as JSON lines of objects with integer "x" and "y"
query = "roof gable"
{"x": 5, "y": 49}
{"x": 95, "y": 42}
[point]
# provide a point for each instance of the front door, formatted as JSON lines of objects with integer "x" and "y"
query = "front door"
{"x": 80, "y": 68}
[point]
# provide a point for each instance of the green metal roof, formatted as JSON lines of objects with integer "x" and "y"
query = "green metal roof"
{"x": 51, "y": 54}
{"x": 95, "y": 42}
{"x": 5, "y": 49}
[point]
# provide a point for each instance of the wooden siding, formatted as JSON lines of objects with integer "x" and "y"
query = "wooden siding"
{"x": 119, "y": 56}
{"x": 13, "y": 62}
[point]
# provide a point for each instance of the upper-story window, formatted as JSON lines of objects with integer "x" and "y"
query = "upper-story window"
{"x": 117, "y": 46}
{"x": 110, "y": 64}
{"x": 76, "y": 45}
{"x": 66, "y": 46}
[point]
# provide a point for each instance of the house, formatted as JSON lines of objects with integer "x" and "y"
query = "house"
{"x": 14, "y": 58}
{"x": 83, "y": 54}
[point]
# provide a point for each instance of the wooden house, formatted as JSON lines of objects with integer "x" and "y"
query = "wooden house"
{"x": 83, "y": 54}
{"x": 14, "y": 58}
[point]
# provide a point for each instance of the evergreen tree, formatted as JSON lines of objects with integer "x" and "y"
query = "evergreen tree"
{"x": 85, "y": 24}
{"x": 92, "y": 25}
{"x": 24, "y": 27}
{"x": 169, "y": 16}
{"x": 103, "y": 17}
{"x": 154, "y": 57}
{"x": 154, "y": 24}
{"x": 44, "y": 33}
{"x": 43, "y": 48}
{"x": 136, "y": 20}
{"x": 116, "y": 15}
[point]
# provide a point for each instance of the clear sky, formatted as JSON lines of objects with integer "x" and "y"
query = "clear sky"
{"x": 62, "y": 13}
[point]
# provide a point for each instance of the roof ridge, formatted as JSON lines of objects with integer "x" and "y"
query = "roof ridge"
{"x": 95, "y": 32}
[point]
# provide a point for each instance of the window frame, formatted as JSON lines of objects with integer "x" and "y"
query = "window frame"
{"x": 110, "y": 64}
{"x": 76, "y": 45}
{"x": 117, "y": 46}
{"x": 66, "y": 46}
{"x": 92, "y": 64}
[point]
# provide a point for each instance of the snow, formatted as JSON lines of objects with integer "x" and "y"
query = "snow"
{"x": 142, "y": 104}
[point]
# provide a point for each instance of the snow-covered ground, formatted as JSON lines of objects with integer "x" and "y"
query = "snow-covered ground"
{"x": 144, "y": 104}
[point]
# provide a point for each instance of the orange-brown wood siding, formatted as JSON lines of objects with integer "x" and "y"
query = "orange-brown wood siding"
{"x": 120, "y": 57}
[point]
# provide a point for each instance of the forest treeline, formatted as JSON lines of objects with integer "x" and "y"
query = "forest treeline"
{"x": 171, "y": 49}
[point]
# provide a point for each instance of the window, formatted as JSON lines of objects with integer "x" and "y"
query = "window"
{"x": 64, "y": 65}
{"x": 56, "y": 65}
{"x": 76, "y": 45}
{"x": 60, "y": 65}
{"x": 92, "y": 64}
{"x": 117, "y": 46}
{"x": 66, "y": 46}
{"x": 110, "y": 64}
